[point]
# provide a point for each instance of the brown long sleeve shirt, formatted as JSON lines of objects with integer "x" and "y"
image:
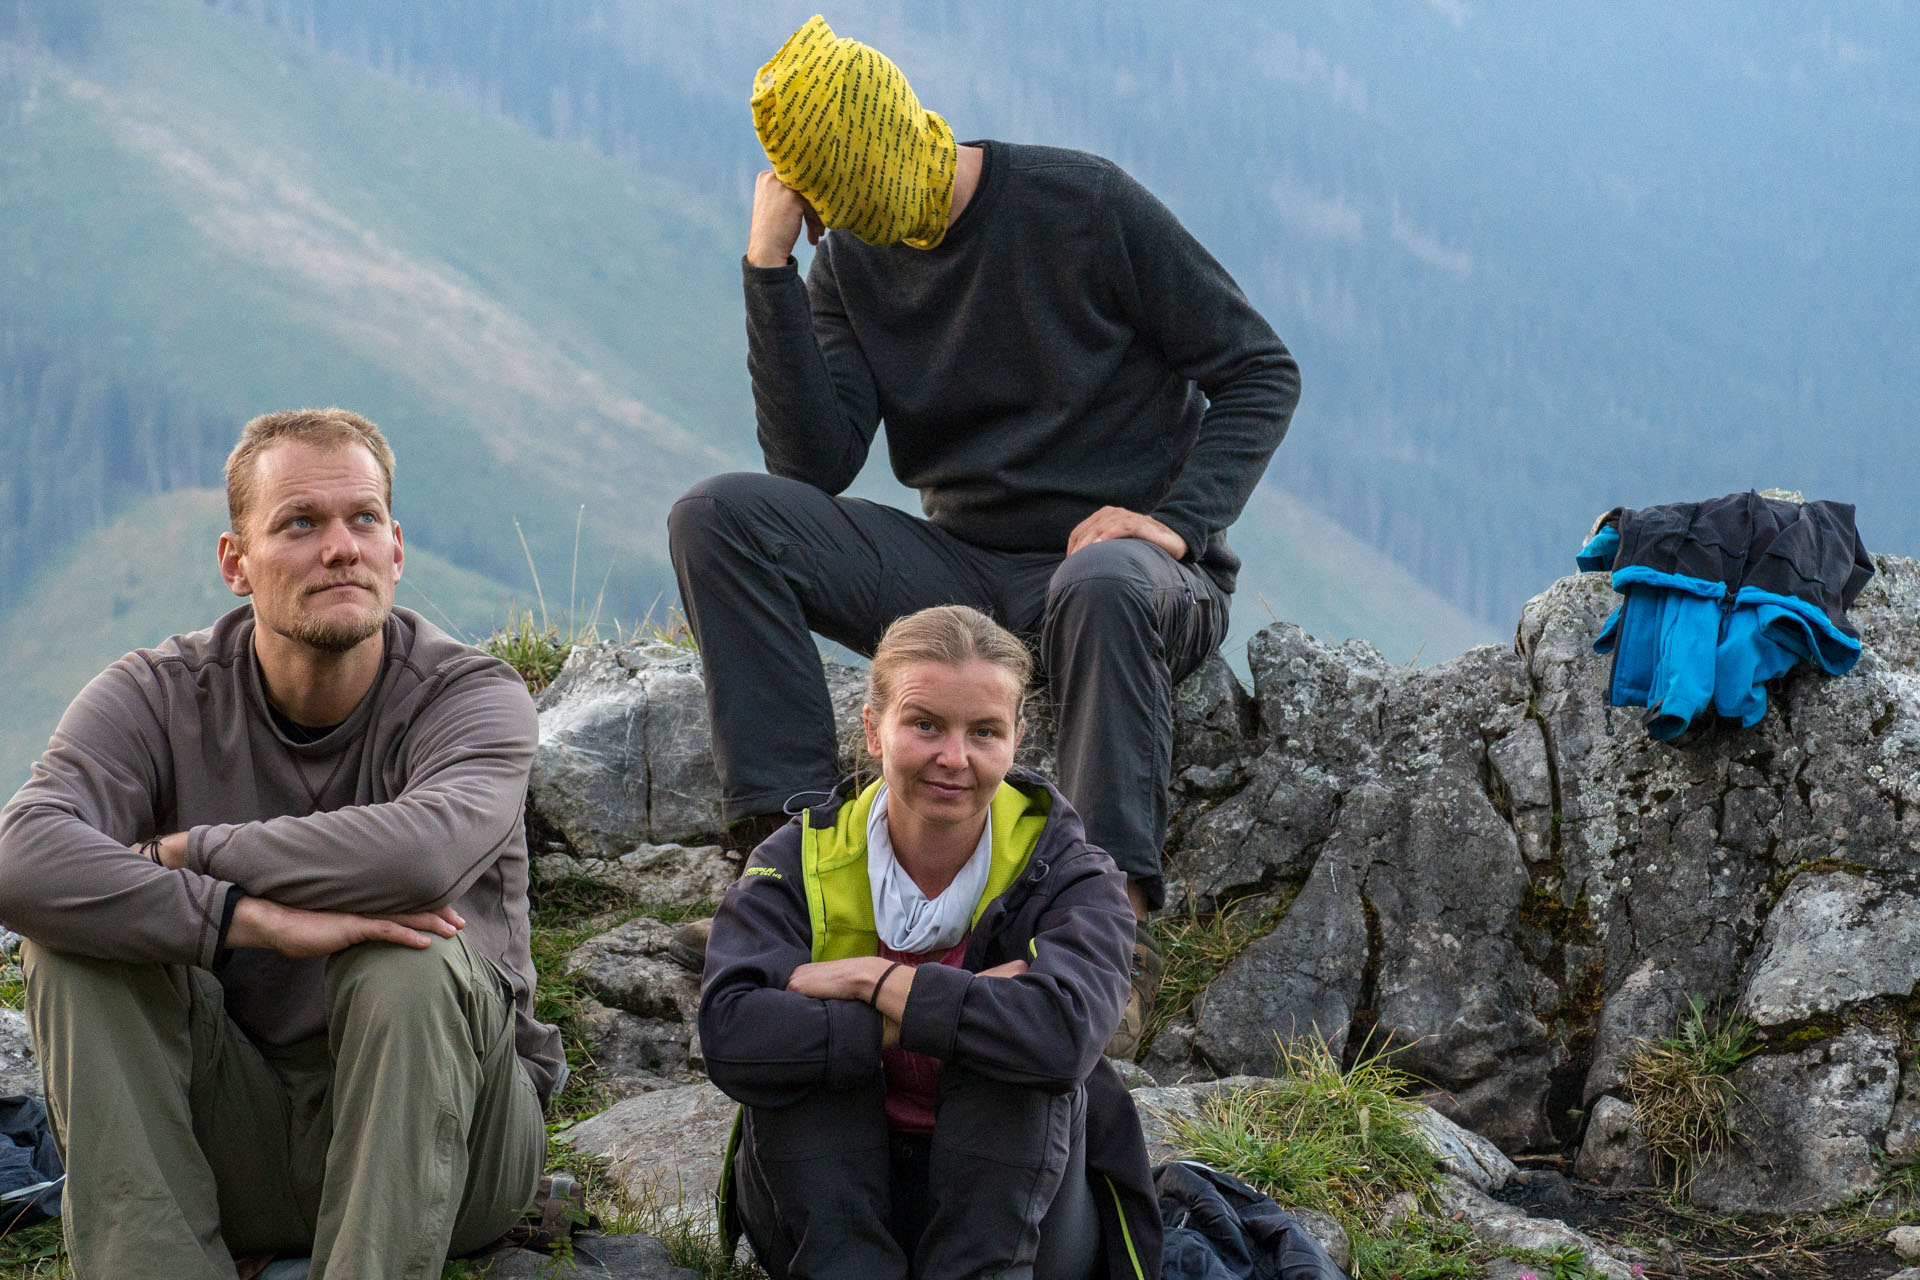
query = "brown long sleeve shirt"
{"x": 416, "y": 801}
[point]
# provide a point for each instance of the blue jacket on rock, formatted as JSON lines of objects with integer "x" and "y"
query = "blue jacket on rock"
{"x": 1722, "y": 596}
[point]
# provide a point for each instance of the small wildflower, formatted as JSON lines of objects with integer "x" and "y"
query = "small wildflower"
{"x": 1637, "y": 1270}
{"x": 1527, "y": 1275}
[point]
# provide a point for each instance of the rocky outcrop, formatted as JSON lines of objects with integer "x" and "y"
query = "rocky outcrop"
{"x": 1485, "y": 869}
{"x": 591, "y": 1257}
{"x": 626, "y": 757}
{"x": 666, "y": 1148}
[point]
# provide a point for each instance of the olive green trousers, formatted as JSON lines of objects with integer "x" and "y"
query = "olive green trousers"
{"x": 407, "y": 1132}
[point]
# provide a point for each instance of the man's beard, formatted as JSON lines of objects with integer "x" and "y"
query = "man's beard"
{"x": 338, "y": 636}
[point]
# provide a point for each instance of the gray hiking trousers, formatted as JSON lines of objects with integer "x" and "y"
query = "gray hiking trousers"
{"x": 763, "y": 560}
{"x": 1000, "y": 1189}
{"x": 408, "y": 1131}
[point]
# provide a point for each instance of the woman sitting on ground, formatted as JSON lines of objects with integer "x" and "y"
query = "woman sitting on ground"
{"x": 909, "y": 990}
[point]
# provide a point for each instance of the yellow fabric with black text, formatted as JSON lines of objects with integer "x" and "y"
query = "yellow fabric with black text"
{"x": 843, "y": 128}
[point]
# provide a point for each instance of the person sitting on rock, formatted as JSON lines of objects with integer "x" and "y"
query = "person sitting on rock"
{"x": 909, "y": 989}
{"x": 273, "y": 881}
{"x": 1081, "y": 394}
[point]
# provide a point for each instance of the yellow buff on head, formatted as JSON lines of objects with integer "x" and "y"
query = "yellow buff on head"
{"x": 843, "y": 128}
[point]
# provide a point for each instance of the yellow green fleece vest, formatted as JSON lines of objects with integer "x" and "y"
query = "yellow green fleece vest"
{"x": 833, "y": 865}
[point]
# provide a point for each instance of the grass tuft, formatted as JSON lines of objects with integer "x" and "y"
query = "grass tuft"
{"x": 536, "y": 652}
{"x": 34, "y": 1253}
{"x": 1345, "y": 1142}
{"x": 1341, "y": 1142}
{"x": 539, "y": 650}
{"x": 1683, "y": 1098}
{"x": 1197, "y": 948}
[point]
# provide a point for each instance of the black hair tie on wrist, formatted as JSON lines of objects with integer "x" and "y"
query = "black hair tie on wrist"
{"x": 152, "y": 850}
{"x": 873, "y": 1001}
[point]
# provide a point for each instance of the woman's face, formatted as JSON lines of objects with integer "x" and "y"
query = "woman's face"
{"x": 944, "y": 744}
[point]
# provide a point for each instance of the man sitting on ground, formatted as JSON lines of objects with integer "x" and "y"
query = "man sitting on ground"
{"x": 273, "y": 877}
{"x": 1081, "y": 394}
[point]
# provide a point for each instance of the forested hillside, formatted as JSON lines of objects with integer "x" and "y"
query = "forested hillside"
{"x": 85, "y": 437}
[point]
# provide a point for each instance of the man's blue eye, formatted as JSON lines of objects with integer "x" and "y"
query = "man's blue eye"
{"x": 299, "y": 522}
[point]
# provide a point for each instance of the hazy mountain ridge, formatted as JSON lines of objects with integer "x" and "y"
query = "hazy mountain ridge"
{"x": 198, "y": 222}
{"x": 239, "y": 251}
{"x": 1529, "y": 263}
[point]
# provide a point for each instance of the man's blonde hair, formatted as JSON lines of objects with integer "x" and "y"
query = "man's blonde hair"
{"x": 326, "y": 429}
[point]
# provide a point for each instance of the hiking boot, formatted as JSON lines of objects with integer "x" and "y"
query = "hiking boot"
{"x": 744, "y": 835}
{"x": 1147, "y": 969}
{"x": 688, "y": 946}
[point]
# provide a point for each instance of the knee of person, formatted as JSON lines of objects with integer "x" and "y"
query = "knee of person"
{"x": 1114, "y": 575}
{"x": 41, "y": 966}
{"x": 383, "y": 980}
{"x": 696, "y": 512}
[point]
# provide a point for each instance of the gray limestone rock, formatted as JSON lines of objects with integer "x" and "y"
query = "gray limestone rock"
{"x": 636, "y": 1055}
{"x": 1523, "y": 781}
{"x": 636, "y": 1257}
{"x": 1613, "y": 1151}
{"x": 1905, "y": 1242}
{"x": 1327, "y": 702}
{"x": 19, "y": 1071}
{"x": 628, "y": 968}
{"x": 1503, "y": 1224}
{"x": 660, "y": 875}
{"x": 1212, "y": 717}
{"x": 1903, "y": 1128}
{"x": 1302, "y": 979}
{"x": 666, "y": 1148}
{"x": 1835, "y": 939}
{"x": 1810, "y": 1126}
{"x": 1325, "y": 1228}
{"x": 1264, "y": 835}
{"x": 1645, "y": 1006}
{"x": 625, "y": 757}
{"x": 1169, "y": 1059}
{"x": 1464, "y": 1153}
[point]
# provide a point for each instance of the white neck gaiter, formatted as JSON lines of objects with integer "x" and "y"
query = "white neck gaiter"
{"x": 905, "y": 918}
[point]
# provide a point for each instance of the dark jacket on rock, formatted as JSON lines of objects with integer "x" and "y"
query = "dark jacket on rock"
{"x": 1722, "y": 596}
{"x": 1060, "y": 905}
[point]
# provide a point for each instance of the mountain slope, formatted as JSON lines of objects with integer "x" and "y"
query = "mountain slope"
{"x": 261, "y": 227}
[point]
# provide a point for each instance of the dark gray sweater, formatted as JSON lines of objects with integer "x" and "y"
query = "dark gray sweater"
{"x": 1068, "y": 346}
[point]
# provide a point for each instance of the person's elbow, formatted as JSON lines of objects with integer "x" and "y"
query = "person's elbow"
{"x": 21, "y": 882}
{"x": 736, "y": 1063}
{"x": 827, "y": 475}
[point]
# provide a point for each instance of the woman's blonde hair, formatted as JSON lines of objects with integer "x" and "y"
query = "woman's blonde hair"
{"x": 950, "y": 634}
